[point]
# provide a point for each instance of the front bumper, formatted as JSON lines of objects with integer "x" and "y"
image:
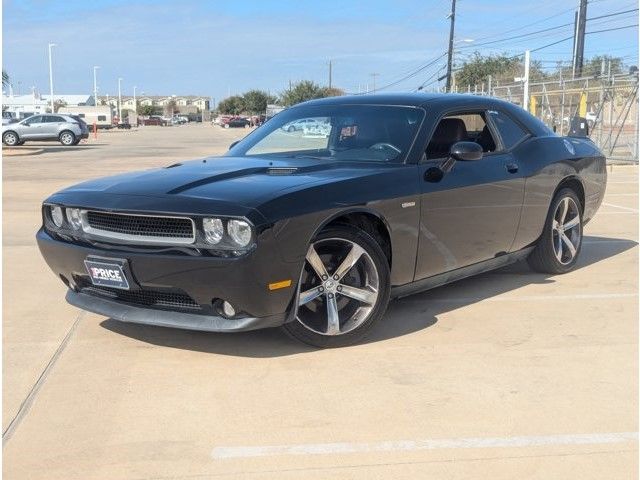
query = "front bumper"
{"x": 166, "y": 318}
{"x": 242, "y": 281}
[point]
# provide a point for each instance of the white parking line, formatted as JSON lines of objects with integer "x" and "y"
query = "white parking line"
{"x": 627, "y": 209}
{"x": 219, "y": 453}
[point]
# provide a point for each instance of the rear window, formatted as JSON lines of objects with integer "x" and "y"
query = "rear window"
{"x": 102, "y": 118}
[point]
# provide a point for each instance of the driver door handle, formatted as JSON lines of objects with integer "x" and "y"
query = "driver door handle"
{"x": 512, "y": 167}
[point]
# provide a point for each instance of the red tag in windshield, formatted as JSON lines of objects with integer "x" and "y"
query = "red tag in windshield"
{"x": 349, "y": 131}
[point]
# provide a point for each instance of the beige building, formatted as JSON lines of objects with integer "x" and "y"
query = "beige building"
{"x": 198, "y": 103}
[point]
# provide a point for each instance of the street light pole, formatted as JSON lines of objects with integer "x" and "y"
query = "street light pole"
{"x": 51, "y": 76}
{"x": 135, "y": 105}
{"x": 119, "y": 100}
{"x": 95, "y": 86}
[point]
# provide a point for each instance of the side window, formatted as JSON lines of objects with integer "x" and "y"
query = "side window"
{"x": 510, "y": 132}
{"x": 102, "y": 118}
{"x": 34, "y": 120}
{"x": 464, "y": 127}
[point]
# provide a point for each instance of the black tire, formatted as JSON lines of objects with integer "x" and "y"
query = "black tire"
{"x": 356, "y": 236}
{"x": 544, "y": 257}
{"x": 67, "y": 138}
{"x": 10, "y": 138}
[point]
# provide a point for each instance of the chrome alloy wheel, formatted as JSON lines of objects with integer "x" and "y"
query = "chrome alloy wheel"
{"x": 67, "y": 138}
{"x": 338, "y": 287}
{"x": 566, "y": 230}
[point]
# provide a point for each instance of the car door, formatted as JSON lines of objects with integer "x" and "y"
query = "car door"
{"x": 470, "y": 213}
{"x": 51, "y": 125}
{"x": 33, "y": 128}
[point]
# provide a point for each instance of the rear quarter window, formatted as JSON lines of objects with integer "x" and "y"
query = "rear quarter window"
{"x": 510, "y": 131}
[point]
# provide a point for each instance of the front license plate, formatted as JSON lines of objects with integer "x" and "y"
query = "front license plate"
{"x": 107, "y": 274}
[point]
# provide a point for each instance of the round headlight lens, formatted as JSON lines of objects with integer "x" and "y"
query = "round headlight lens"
{"x": 73, "y": 217}
{"x": 56, "y": 215}
{"x": 240, "y": 232}
{"x": 213, "y": 229}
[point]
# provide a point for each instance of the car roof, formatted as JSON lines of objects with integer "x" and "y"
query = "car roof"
{"x": 407, "y": 99}
{"x": 439, "y": 101}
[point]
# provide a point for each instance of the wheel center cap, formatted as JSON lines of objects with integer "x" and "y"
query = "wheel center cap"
{"x": 329, "y": 285}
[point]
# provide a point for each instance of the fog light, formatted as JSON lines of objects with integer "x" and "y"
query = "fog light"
{"x": 228, "y": 309}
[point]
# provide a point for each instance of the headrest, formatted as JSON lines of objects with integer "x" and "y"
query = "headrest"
{"x": 450, "y": 131}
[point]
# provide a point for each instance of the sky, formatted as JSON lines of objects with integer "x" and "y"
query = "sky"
{"x": 216, "y": 48}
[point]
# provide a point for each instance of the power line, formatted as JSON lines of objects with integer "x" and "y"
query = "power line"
{"x": 564, "y": 25}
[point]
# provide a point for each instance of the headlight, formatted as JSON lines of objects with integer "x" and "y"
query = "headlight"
{"x": 240, "y": 232}
{"x": 213, "y": 230}
{"x": 74, "y": 219}
{"x": 56, "y": 215}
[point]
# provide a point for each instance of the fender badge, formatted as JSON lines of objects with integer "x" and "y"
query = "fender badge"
{"x": 408, "y": 204}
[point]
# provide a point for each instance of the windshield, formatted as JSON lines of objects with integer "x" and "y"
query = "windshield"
{"x": 336, "y": 132}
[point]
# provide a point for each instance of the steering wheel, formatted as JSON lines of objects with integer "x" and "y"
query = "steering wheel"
{"x": 384, "y": 146}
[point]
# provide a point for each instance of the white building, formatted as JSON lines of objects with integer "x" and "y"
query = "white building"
{"x": 23, "y": 106}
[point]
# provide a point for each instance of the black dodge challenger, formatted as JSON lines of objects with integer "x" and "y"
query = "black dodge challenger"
{"x": 315, "y": 230}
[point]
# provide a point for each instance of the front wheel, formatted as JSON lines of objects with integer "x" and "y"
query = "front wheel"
{"x": 343, "y": 288}
{"x": 67, "y": 138}
{"x": 10, "y": 139}
{"x": 558, "y": 248}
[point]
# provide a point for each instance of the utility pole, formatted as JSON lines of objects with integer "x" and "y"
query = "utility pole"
{"x": 581, "y": 25}
{"x": 452, "y": 17}
{"x": 374, "y": 75}
{"x": 51, "y": 45}
{"x": 135, "y": 104}
{"x": 330, "y": 73}
{"x": 525, "y": 95}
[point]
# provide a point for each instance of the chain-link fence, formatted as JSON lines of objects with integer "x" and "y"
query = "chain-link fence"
{"x": 609, "y": 104}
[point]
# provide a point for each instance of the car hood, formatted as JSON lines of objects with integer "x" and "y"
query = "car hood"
{"x": 231, "y": 184}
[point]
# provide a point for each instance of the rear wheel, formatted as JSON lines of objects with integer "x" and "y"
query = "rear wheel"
{"x": 559, "y": 246}
{"x": 67, "y": 138}
{"x": 344, "y": 288}
{"x": 10, "y": 139}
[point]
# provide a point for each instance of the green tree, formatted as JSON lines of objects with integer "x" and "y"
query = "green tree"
{"x": 148, "y": 110}
{"x": 58, "y": 104}
{"x": 477, "y": 70}
{"x": 301, "y": 92}
{"x": 255, "y": 101}
{"x": 233, "y": 105}
{"x": 593, "y": 66}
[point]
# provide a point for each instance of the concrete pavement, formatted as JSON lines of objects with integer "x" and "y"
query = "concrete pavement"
{"x": 507, "y": 375}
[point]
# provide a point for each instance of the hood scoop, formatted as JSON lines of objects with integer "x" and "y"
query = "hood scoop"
{"x": 278, "y": 171}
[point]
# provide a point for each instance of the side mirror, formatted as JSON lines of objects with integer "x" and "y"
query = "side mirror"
{"x": 466, "y": 151}
{"x": 233, "y": 144}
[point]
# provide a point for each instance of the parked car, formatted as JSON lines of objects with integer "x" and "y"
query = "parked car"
{"x": 235, "y": 122}
{"x": 56, "y": 127}
{"x": 8, "y": 118}
{"x": 408, "y": 192}
{"x": 301, "y": 124}
{"x": 154, "y": 120}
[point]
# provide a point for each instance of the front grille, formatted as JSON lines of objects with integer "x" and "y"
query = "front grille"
{"x": 145, "y": 298}
{"x": 140, "y": 227}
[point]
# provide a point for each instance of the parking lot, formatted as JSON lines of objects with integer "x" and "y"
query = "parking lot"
{"x": 507, "y": 375}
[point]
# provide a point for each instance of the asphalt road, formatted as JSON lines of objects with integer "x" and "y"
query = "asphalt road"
{"x": 507, "y": 375}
